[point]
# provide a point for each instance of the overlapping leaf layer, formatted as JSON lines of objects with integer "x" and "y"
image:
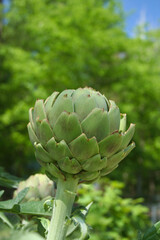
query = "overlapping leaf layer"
{"x": 79, "y": 132}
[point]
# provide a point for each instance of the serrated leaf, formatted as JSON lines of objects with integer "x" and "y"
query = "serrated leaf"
{"x": 34, "y": 208}
{"x": 86, "y": 209}
{"x": 72, "y": 227}
{"x": 12, "y": 205}
{"x": 1, "y": 193}
{"x": 5, "y": 220}
{"x": 22, "y": 235}
{"x": 48, "y": 205}
{"x": 8, "y": 180}
{"x": 44, "y": 226}
{"x": 81, "y": 230}
{"x": 153, "y": 232}
{"x": 78, "y": 224}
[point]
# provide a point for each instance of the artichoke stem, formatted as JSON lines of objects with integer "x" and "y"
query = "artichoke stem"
{"x": 62, "y": 208}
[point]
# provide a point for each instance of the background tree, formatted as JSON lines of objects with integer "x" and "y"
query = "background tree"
{"x": 53, "y": 45}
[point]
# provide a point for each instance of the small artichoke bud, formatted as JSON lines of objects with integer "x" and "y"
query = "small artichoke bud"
{"x": 79, "y": 133}
{"x": 40, "y": 187}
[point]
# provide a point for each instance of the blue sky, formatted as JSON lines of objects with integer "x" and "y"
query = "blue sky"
{"x": 142, "y": 11}
{"x": 139, "y": 11}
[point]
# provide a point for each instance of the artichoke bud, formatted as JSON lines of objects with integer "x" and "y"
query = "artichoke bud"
{"x": 79, "y": 133}
{"x": 40, "y": 187}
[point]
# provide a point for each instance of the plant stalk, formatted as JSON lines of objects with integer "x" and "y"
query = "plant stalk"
{"x": 62, "y": 207}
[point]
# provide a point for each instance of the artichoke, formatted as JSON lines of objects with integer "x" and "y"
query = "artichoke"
{"x": 40, "y": 187}
{"x": 79, "y": 133}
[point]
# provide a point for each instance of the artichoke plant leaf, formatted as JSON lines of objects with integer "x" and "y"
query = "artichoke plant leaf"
{"x": 12, "y": 205}
{"x": 1, "y": 192}
{"x": 34, "y": 208}
{"x": 153, "y": 233}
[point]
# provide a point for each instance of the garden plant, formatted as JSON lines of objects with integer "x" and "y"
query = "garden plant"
{"x": 79, "y": 136}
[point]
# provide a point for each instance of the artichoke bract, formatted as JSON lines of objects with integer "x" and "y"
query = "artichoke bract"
{"x": 40, "y": 187}
{"x": 79, "y": 133}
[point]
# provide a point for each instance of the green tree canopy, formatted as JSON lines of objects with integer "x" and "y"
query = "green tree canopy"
{"x": 52, "y": 45}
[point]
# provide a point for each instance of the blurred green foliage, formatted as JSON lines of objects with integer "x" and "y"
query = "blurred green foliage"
{"x": 111, "y": 216}
{"x": 48, "y": 45}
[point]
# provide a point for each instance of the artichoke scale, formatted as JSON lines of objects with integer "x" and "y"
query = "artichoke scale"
{"x": 68, "y": 165}
{"x": 79, "y": 92}
{"x": 94, "y": 163}
{"x": 58, "y": 150}
{"x": 88, "y": 176}
{"x": 110, "y": 145}
{"x": 31, "y": 117}
{"x": 122, "y": 127}
{"x": 114, "y": 117}
{"x": 46, "y": 132}
{"x": 83, "y": 105}
{"x": 62, "y": 103}
{"x": 54, "y": 171}
{"x": 39, "y": 110}
{"x": 116, "y": 158}
{"x": 108, "y": 170}
{"x": 127, "y": 136}
{"x": 67, "y": 127}
{"x": 37, "y": 127}
{"x": 50, "y": 101}
{"x": 96, "y": 124}
{"x": 32, "y": 135}
{"x": 42, "y": 154}
{"x": 100, "y": 101}
{"x": 83, "y": 148}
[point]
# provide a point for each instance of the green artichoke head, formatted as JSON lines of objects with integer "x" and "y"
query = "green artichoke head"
{"x": 40, "y": 187}
{"x": 79, "y": 133}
